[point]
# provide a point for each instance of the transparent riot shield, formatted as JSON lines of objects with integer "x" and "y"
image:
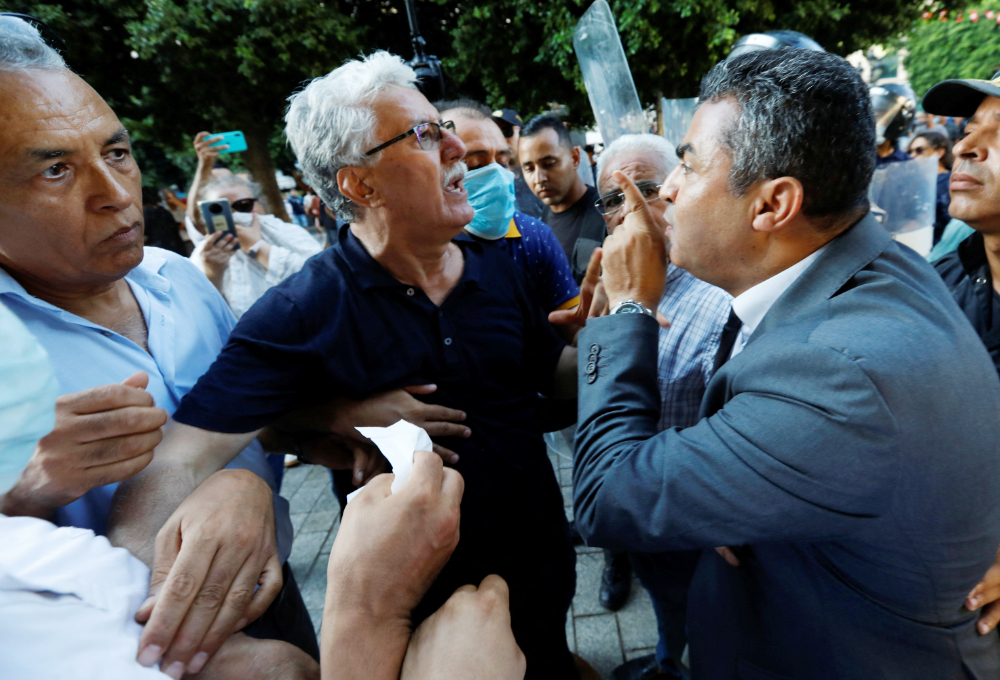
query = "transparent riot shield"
{"x": 677, "y": 115}
{"x": 606, "y": 74}
{"x": 905, "y": 192}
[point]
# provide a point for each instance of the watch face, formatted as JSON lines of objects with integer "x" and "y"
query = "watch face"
{"x": 628, "y": 308}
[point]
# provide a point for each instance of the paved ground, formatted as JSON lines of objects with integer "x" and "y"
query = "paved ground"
{"x": 603, "y": 638}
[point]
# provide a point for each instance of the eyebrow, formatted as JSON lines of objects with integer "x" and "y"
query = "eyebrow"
{"x": 49, "y": 154}
{"x": 683, "y": 149}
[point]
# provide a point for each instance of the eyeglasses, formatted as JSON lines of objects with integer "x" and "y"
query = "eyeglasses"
{"x": 609, "y": 203}
{"x": 243, "y": 205}
{"x": 917, "y": 151}
{"x": 428, "y": 136}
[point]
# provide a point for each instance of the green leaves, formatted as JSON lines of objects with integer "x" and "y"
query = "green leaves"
{"x": 939, "y": 50}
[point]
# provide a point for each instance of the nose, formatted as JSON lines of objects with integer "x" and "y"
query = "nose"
{"x": 968, "y": 149}
{"x": 452, "y": 147}
{"x": 668, "y": 191}
{"x": 109, "y": 189}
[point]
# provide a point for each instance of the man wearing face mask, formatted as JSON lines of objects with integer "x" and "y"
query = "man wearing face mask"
{"x": 490, "y": 185}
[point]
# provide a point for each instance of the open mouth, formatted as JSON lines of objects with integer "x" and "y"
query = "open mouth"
{"x": 453, "y": 179}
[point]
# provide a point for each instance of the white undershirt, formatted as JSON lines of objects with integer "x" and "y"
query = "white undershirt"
{"x": 753, "y": 304}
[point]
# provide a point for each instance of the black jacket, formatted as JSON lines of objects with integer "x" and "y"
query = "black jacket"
{"x": 966, "y": 272}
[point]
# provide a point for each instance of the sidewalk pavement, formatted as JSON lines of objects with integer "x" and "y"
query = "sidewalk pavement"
{"x": 603, "y": 638}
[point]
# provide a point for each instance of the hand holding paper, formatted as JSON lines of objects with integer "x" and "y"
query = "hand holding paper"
{"x": 397, "y": 443}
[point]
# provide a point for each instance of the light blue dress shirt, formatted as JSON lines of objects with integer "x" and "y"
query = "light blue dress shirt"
{"x": 697, "y": 311}
{"x": 188, "y": 322}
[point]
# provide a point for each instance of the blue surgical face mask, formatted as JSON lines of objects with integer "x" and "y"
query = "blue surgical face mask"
{"x": 491, "y": 193}
{"x": 27, "y": 400}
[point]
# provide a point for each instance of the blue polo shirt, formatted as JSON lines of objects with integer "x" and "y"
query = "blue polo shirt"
{"x": 343, "y": 326}
{"x": 535, "y": 248}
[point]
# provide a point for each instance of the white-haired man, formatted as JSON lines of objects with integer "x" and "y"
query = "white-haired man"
{"x": 404, "y": 298}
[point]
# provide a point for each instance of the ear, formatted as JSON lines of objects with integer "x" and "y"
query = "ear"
{"x": 353, "y": 184}
{"x": 575, "y": 153}
{"x": 778, "y": 202}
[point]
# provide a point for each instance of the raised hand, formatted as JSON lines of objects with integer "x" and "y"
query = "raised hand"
{"x": 635, "y": 255}
{"x": 207, "y": 154}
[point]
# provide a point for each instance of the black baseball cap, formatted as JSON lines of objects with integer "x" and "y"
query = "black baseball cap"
{"x": 960, "y": 98}
{"x": 509, "y": 116}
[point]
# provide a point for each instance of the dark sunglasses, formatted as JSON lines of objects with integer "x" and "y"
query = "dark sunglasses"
{"x": 50, "y": 37}
{"x": 428, "y": 136}
{"x": 609, "y": 203}
{"x": 243, "y": 205}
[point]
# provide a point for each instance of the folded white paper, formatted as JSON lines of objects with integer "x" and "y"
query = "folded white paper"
{"x": 397, "y": 443}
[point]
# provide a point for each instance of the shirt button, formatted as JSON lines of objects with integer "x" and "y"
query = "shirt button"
{"x": 410, "y": 292}
{"x": 447, "y": 341}
{"x": 591, "y": 367}
{"x": 980, "y": 280}
{"x": 106, "y": 334}
{"x": 595, "y": 349}
{"x": 592, "y": 358}
{"x": 591, "y": 378}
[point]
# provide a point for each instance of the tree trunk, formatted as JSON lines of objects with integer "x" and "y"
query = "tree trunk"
{"x": 258, "y": 159}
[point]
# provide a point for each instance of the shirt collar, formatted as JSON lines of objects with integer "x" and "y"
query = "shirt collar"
{"x": 972, "y": 254}
{"x": 369, "y": 273}
{"x": 753, "y": 304}
{"x": 146, "y": 275}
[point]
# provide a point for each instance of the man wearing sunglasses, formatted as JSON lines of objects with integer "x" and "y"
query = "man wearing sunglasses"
{"x": 403, "y": 298}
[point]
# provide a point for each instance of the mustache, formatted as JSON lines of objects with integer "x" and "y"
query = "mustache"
{"x": 455, "y": 172}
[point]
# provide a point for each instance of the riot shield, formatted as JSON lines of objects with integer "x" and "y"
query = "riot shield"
{"x": 676, "y": 116}
{"x": 606, "y": 74}
{"x": 905, "y": 191}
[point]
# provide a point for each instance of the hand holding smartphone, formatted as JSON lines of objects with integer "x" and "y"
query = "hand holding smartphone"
{"x": 218, "y": 216}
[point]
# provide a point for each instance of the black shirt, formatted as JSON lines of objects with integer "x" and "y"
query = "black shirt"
{"x": 343, "y": 326}
{"x": 966, "y": 272}
{"x": 579, "y": 229}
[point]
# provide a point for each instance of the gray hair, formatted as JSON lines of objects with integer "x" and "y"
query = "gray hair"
{"x": 330, "y": 124}
{"x": 216, "y": 185}
{"x": 644, "y": 143}
{"x": 22, "y": 48}
{"x": 802, "y": 114}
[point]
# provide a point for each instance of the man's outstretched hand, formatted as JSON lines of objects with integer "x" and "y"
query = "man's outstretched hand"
{"x": 635, "y": 255}
{"x": 216, "y": 570}
{"x": 388, "y": 551}
{"x": 468, "y": 637}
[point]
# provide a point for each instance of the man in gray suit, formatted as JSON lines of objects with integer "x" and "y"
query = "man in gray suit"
{"x": 849, "y": 441}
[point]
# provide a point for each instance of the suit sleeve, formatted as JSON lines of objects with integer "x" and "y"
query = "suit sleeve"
{"x": 803, "y": 449}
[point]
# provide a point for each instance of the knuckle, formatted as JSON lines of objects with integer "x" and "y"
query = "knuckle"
{"x": 239, "y": 597}
{"x": 211, "y": 596}
{"x": 182, "y": 585}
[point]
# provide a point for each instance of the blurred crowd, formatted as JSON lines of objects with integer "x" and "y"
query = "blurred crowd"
{"x": 772, "y": 352}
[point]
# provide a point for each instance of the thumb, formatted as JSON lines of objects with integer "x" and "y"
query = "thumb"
{"x": 637, "y": 205}
{"x": 139, "y": 379}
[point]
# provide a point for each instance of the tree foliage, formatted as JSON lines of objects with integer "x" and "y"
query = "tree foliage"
{"x": 174, "y": 67}
{"x": 939, "y": 50}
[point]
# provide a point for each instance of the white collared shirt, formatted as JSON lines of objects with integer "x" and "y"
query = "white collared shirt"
{"x": 753, "y": 304}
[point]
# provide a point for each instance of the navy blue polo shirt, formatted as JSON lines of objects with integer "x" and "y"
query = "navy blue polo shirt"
{"x": 344, "y": 327}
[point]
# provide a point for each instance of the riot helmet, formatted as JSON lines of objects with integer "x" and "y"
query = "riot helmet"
{"x": 895, "y": 107}
{"x": 773, "y": 40}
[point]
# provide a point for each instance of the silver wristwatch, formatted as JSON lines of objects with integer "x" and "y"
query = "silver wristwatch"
{"x": 631, "y": 307}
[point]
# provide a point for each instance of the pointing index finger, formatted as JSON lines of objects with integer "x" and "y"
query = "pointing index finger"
{"x": 636, "y": 203}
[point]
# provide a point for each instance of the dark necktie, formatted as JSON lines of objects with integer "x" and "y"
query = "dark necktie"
{"x": 729, "y": 333}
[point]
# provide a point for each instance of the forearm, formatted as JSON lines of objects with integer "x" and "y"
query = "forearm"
{"x": 185, "y": 458}
{"x": 200, "y": 178}
{"x": 20, "y": 502}
{"x": 360, "y": 646}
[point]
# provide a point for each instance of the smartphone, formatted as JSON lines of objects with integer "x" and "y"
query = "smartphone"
{"x": 234, "y": 139}
{"x": 217, "y": 216}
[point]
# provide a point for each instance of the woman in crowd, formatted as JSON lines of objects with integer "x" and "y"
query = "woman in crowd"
{"x": 933, "y": 143}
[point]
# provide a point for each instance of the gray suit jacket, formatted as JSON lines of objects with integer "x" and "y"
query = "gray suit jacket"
{"x": 853, "y": 446}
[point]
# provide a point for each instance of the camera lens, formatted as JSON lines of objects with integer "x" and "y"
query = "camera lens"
{"x": 214, "y": 208}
